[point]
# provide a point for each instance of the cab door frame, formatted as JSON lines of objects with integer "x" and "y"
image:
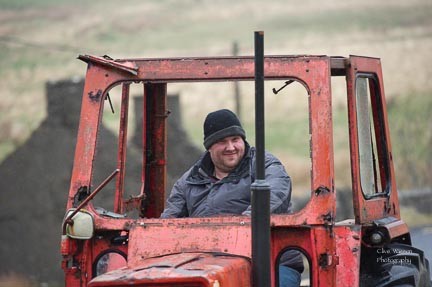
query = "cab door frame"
{"x": 370, "y": 205}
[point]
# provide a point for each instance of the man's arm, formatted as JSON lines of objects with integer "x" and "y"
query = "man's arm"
{"x": 176, "y": 202}
{"x": 280, "y": 186}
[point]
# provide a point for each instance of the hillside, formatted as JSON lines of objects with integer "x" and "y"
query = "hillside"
{"x": 40, "y": 40}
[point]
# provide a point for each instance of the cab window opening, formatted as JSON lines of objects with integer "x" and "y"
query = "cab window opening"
{"x": 373, "y": 159}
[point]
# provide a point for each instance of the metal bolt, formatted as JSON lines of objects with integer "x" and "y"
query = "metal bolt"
{"x": 376, "y": 238}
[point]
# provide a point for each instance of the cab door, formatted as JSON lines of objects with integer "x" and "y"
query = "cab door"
{"x": 373, "y": 180}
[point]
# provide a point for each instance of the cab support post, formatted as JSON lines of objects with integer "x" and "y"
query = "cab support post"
{"x": 260, "y": 189}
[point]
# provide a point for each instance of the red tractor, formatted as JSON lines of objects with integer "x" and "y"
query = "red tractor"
{"x": 103, "y": 247}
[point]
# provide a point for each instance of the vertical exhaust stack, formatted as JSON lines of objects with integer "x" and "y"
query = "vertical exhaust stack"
{"x": 260, "y": 190}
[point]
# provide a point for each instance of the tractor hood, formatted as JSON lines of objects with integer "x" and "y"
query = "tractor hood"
{"x": 183, "y": 269}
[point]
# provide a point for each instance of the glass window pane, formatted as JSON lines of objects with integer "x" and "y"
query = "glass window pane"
{"x": 369, "y": 138}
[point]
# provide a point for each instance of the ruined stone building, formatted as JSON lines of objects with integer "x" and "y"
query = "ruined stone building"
{"x": 35, "y": 181}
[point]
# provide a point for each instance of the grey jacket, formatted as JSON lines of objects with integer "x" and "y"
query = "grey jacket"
{"x": 198, "y": 194}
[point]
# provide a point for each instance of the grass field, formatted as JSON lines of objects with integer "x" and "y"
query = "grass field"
{"x": 39, "y": 41}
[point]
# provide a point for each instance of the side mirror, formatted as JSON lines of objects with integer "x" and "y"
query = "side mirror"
{"x": 82, "y": 225}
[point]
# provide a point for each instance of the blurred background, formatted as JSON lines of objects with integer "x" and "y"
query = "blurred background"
{"x": 41, "y": 85}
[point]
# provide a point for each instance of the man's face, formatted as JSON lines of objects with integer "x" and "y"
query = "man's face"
{"x": 227, "y": 153}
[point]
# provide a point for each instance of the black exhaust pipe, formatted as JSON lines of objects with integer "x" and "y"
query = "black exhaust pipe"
{"x": 260, "y": 189}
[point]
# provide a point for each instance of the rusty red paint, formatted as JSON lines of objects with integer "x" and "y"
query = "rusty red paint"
{"x": 174, "y": 236}
{"x": 367, "y": 210}
{"x": 348, "y": 246}
{"x": 187, "y": 269}
{"x": 155, "y": 94}
{"x": 125, "y": 66}
{"x": 122, "y": 142}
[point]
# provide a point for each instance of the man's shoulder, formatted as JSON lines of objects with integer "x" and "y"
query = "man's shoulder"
{"x": 269, "y": 157}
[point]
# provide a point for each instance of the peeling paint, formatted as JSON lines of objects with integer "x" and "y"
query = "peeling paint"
{"x": 95, "y": 97}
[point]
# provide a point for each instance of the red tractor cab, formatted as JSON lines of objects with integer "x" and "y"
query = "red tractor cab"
{"x": 102, "y": 247}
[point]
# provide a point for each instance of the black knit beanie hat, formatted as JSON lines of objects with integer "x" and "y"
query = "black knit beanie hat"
{"x": 221, "y": 124}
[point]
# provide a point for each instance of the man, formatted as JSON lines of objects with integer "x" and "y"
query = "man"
{"x": 219, "y": 183}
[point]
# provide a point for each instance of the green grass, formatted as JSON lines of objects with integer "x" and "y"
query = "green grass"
{"x": 348, "y": 19}
{"x": 6, "y": 147}
{"x": 411, "y": 129}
